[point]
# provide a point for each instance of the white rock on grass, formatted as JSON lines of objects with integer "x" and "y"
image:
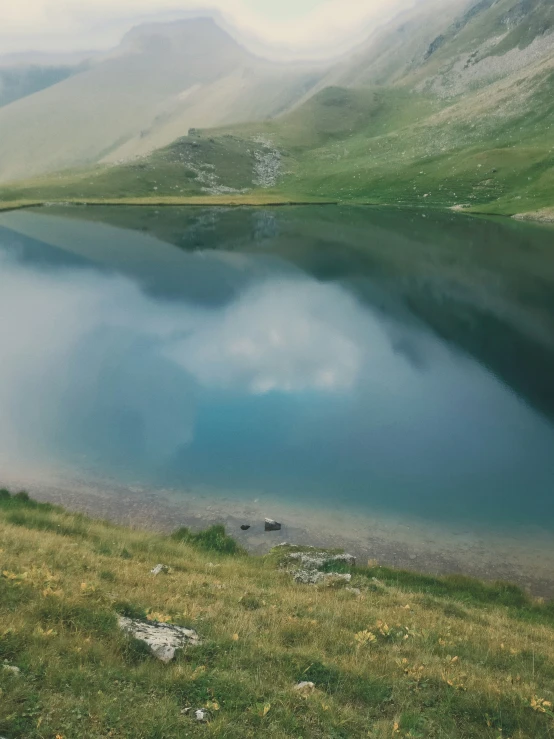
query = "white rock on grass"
{"x": 305, "y": 688}
{"x": 163, "y": 639}
{"x": 12, "y": 668}
{"x": 313, "y": 577}
{"x": 158, "y": 569}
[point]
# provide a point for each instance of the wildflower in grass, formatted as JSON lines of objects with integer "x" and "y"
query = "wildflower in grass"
{"x": 364, "y": 638}
{"x": 13, "y": 576}
{"x": 383, "y": 629}
{"x": 45, "y": 633}
{"x": 414, "y": 673}
{"x": 541, "y": 706}
{"x": 453, "y": 682}
{"x": 50, "y": 592}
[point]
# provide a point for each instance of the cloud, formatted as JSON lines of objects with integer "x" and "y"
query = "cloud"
{"x": 282, "y": 336}
{"x": 319, "y": 28}
{"x": 93, "y": 369}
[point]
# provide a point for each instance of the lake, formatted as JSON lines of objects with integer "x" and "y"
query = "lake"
{"x": 381, "y": 375}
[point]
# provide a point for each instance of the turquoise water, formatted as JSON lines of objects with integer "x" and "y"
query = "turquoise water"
{"x": 378, "y": 360}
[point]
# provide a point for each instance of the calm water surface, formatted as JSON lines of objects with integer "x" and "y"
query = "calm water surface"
{"x": 371, "y": 360}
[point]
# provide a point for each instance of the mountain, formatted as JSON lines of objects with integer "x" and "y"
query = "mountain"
{"x": 161, "y": 81}
{"x": 449, "y": 105}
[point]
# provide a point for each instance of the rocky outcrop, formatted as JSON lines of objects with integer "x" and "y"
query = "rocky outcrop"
{"x": 314, "y": 577}
{"x": 321, "y": 559}
{"x": 310, "y": 566}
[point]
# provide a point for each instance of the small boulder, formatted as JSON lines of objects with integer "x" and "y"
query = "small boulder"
{"x": 158, "y": 569}
{"x": 163, "y": 639}
{"x": 304, "y": 688}
{"x": 201, "y": 715}
{"x": 245, "y": 527}
{"x": 271, "y": 525}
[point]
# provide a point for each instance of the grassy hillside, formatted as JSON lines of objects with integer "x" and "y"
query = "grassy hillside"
{"x": 407, "y": 656}
{"x": 383, "y": 146}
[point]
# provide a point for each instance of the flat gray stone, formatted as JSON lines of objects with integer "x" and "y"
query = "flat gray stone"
{"x": 158, "y": 569}
{"x": 163, "y": 639}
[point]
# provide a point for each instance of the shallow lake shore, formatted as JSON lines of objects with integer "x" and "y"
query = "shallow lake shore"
{"x": 525, "y": 558}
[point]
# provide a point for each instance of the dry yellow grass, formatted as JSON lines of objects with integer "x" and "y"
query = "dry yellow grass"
{"x": 252, "y": 200}
{"x": 18, "y": 204}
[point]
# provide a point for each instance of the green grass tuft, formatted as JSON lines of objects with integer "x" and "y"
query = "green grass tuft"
{"x": 214, "y": 539}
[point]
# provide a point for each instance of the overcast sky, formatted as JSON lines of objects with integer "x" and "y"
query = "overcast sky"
{"x": 299, "y": 27}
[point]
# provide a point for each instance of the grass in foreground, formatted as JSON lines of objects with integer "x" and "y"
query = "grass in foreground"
{"x": 412, "y": 656}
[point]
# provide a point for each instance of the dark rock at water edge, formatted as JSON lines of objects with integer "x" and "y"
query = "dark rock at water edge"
{"x": 271, "y": 525}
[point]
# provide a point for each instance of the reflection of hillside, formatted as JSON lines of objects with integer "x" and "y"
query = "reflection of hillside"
{"x": 486, "y": 286}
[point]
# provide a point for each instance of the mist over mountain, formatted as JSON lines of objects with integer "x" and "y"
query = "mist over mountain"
{"x": 162, "y": 80}
{"x": 449, "y": 103}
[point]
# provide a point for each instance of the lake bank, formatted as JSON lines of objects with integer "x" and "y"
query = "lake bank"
{"x": 525, "y": 557}
{"x": 254, "y": 200}
{"x": 545, "y": 216}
